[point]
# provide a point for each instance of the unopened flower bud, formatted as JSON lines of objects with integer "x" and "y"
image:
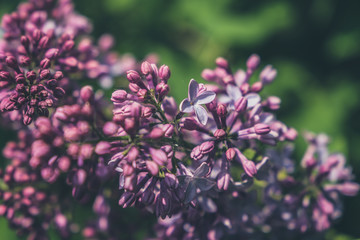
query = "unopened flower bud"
{"x": 87, "y": 93}
{"x": 262, "y": 129}
{"x": 222, "y": 63}
{"x": 133, "y": 76}
{"x": 253, "y": 62}
{"x": 146, "y": 68}
{"x": 230, "y": 154}
{"x": 164, "y": 73}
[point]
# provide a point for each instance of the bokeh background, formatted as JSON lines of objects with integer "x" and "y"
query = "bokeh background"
{"x": 314, "y": 45}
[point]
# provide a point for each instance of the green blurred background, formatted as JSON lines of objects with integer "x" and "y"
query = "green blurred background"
{"x": 314, "y": 45}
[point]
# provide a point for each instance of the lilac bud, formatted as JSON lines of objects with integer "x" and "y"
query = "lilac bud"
{"x": 256, "y": 87}
{"x": 126, "y": 199}
{"x": 134, "y": 87}
{"x": 156, "y": 133}
{"x": 36, "y": 35}
{"x": 196, "y": 153}
{"x": 119, "y": 96}
{"x": 68, "y": 45}
{"x": 52, "y": 53}
{"x": 164, "y": 73}
{"x": 273, "y": 102}
{"x": 102, "y": 148}
{"x": 25, "y": 41}
{"x": 58, "y": 75}
{"x": 189, "y": 123}
{"x": 133, "y": 76}
{"x": 207, "y": 147}
{"x": 110, "y": 128}
{"x": 268, "y": 74}
{"x": 230, "y": 154}
{"x": 241, "y": 104}
{"x": 87, "y": 93}
{"x": 171, "y": 180}
{"x": 162, "y": 88}
{"x": 222, "y": 63}
{"x": 146, "y": 68}
{"x": 253, "y": 62}
{"x": 168, "y": 130}
{"x": 45, "y": 63}
{"x": 262, "y": 129}
{"x": 219, "y": 133}
{"x": 11, "y": 62}
{"x": 133, "y": 154}
{"x": 70, "y": 62}
{"x": 30, "y": 75}
{"x": 208, "y": 75}
{"x": 221, "y": 110}
{"x": 43, "y": 43}
{"x": 159, "y": 156}
{"x": 24, "y": 61}
{"x": 249, "y": 166}
{"x": 27, "y": 119}
{"x": 45, "y": 74}
{"x": 59, "y": 92}
{"x": 223, "y": 180}
{"x": 291, "y": 134}
{"x": 152, "y": 167}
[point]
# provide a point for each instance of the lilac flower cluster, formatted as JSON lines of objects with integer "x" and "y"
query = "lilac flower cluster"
{"x": 217, "y": 164}
{"x": 39, "y": 56}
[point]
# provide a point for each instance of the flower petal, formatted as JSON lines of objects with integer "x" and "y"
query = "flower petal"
{"x": 201, "y": 114}
{"x": 253, "y": 99}
{"x": 205, "y": 97}
{"x": 186, "y": 107}
{"x": 233, "y": 92}
{"x": 193, "y": 89}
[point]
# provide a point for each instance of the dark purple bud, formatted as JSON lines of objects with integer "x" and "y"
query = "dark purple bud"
{"x": 156, "y": 133}
{"x": 33, "y": 102}
{"x": 30, "y": 75}
{"x": 212, "y": 106}
{"x": 25, "y": 41}
{"x": 52, "y": 83}
{"x": 164, "y": 73}
{"x": 119, "y": 96}
{"x": 45, "y": 63}
{"x": 21, "y": 100}
{"x": 262, "y": 129}
{"x": 7, "y": 105}
{"x": 4, "y": 76}
{"x": 196, "y": 153}
{"x": 59, "y": 92}
{"x": 248, "y": 166}
{"x": 87, "y": 93}
{"x": 58, "y": 75}
{"x": 126, "y": 199}
{"x": 24, "y": 61}
{"x": 44, "y": 42}
{"x": 44, "y": 94}
{"x": 146, "y": 68}
{"x": 20, "y": 88}
{"x": 20, "y": 78}
{"x": 52, "y": 53}
{"x": 34, "y": 90}
{"x": 11, "y": 62}
{"x": 27, "y": 120}
{"x": 241, "y": 104}
{"x": 49, "y": 102}
{"x": 45, "y": 74}
{"x": 171, "y": 180}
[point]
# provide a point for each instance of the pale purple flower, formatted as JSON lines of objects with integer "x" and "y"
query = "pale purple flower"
{"x": 194, "y": 101}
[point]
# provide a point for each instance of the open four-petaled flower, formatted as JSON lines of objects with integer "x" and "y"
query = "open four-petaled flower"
{"x": 196, "y": 97}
